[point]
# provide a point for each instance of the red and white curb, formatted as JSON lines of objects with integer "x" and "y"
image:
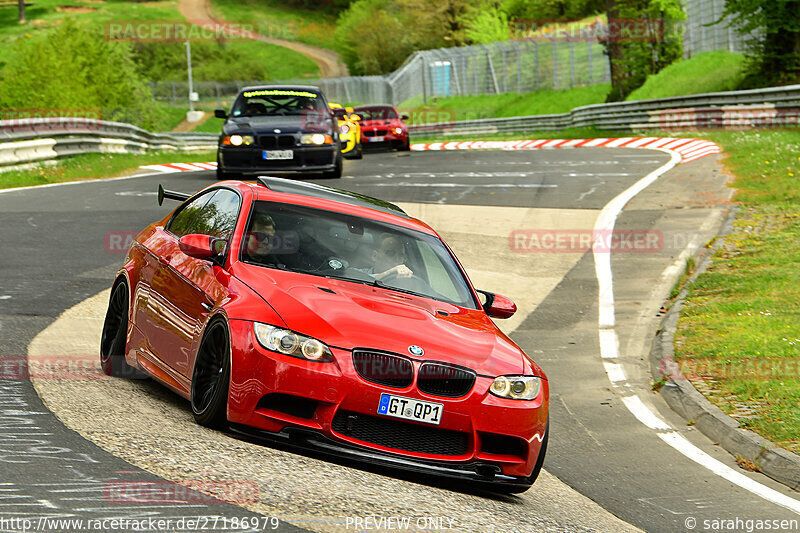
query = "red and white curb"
{"x": 169, "y": 168}
{"x": 689, "y": 149}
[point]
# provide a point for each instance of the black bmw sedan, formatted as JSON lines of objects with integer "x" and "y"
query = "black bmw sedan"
{"x": 274, "y": 129}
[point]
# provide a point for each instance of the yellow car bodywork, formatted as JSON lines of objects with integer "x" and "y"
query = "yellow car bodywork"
{"x": 349, "y": 133}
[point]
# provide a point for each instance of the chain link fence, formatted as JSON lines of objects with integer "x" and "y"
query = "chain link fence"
{"x": 501, "y": 67}
{"x": 703, "y": 35}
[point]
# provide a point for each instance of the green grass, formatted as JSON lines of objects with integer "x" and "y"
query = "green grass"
{"x": 277, "y": 20}
{"x": 544, "y": 102}
{"x": 707, "y": 72}
{"x": 91, "y": 166}
{"x": 270, "y": 62}
{"x": 742, "y": 314}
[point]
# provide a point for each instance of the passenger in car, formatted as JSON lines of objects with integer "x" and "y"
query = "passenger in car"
{"x": 389, "y": 260}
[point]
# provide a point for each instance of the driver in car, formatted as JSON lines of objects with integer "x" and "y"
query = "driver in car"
{"x": 260, "y": 238}
{"x": 389, "y": 260}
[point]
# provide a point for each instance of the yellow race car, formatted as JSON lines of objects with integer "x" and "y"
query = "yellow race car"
{"x": 349, "y": 133}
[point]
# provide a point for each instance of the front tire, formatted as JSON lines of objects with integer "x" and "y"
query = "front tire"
{"x": 211, "y": 377}
{"x": 114, "y": 339}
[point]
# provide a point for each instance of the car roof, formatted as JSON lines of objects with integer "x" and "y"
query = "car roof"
{"x": 290, "y": 87}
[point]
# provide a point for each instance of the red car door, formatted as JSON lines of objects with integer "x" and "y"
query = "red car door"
{"x": 185, "y": 289}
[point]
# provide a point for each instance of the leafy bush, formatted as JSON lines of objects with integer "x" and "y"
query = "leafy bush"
{"x": 73, "y": 68}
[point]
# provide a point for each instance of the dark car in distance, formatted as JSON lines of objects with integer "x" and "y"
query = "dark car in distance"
{"x": 274, "y": 129}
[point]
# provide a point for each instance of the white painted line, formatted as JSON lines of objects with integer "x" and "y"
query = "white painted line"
{"x": 636, "y": 406}
{"x": 615, "y": 372}
{"x": 605, "y": 222}
{"x": 609, "y": 344}
{"x": 77, "y": 182}
{"x": 699, "y": 456}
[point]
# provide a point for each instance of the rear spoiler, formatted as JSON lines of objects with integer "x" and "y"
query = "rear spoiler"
{"x": 171, "y": 195}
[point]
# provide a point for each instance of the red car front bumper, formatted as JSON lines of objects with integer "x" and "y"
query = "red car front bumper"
{"x": 329, "y": 407}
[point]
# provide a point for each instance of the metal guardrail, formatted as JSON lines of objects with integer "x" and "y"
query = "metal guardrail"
{"x": 31, "y": 140}
{"x": 40, "y": 139}
{"x": 775, "y": 106}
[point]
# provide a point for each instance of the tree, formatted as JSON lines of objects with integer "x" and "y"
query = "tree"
{"x": 642, "y": 38}
{"x": 22, "y": 11}
{"x": 774, "y": 46}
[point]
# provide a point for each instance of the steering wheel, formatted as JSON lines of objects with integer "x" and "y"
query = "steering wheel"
{"x": 412, "y": 282}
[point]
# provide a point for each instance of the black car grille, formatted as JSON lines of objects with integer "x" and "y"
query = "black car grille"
{"x": 372, "y": 133}
{"x": 384, "y": 368}
{"x": 271, "y": 142}
{"x": 440, "y": 379}
{"x": 400, "y": 435}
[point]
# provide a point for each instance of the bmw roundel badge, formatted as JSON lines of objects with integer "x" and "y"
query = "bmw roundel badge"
{"x": 416, "y": 350}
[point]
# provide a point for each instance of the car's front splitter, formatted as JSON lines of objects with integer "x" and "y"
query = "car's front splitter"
{"x": 477, "y": 472}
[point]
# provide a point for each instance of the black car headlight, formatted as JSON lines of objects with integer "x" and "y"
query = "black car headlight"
{"x": 288, "y": 342}
{"x": 516, "y": 387}
{"x": 316, "y": 138}
{"x": 238, "y": 140}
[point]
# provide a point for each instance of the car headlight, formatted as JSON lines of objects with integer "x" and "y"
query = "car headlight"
{"x": 315, "y": 138}
{"x": 288, "y": 342}
{"x": 345, "y": 129}
{"x": 398, "y": 130}
{"x": 516, "y": 387}
{"x": 238, "y": 140}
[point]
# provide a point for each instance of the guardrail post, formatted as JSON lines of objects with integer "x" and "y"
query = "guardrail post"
{"x": 555, "y": 66}
{"x": 589, "y": 54}
{"x": 536, "y": 52}
{"x": 519, "y": 66}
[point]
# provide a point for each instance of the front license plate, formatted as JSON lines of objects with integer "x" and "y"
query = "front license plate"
{"x": 278, "y": 154}
{"x": 410, "y": 409}
{"x": 375, "y": 139}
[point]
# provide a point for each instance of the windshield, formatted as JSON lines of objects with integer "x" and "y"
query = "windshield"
{"x": 278, "y": 102}
{"x": 329, "y": 244}
{"x": 376, "y": 113}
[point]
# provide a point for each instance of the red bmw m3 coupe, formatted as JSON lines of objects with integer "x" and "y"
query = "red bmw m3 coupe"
{"x": 332, "y": 321}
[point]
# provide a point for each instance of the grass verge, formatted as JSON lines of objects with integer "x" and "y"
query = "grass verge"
{"x": 89, "y": 166}
{"x": 707, "y": 72}
{"x": 738, "y": 338}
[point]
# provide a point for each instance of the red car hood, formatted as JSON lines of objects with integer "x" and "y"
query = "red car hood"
{"x": 354, "y": 315}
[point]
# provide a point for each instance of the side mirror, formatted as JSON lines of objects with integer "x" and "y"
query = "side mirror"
{"x": 355, "y": 117}
{"x": 340, "y": 113}
{"x": 404, "y": 117}
{"x": 498, "y": 306}
{"x": 348, "y": 109}
{"x": 201, "y": 246}
{"x": 220, "y": 113}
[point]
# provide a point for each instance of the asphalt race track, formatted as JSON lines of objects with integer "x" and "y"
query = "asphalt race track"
{"x": 67, "y": 445}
